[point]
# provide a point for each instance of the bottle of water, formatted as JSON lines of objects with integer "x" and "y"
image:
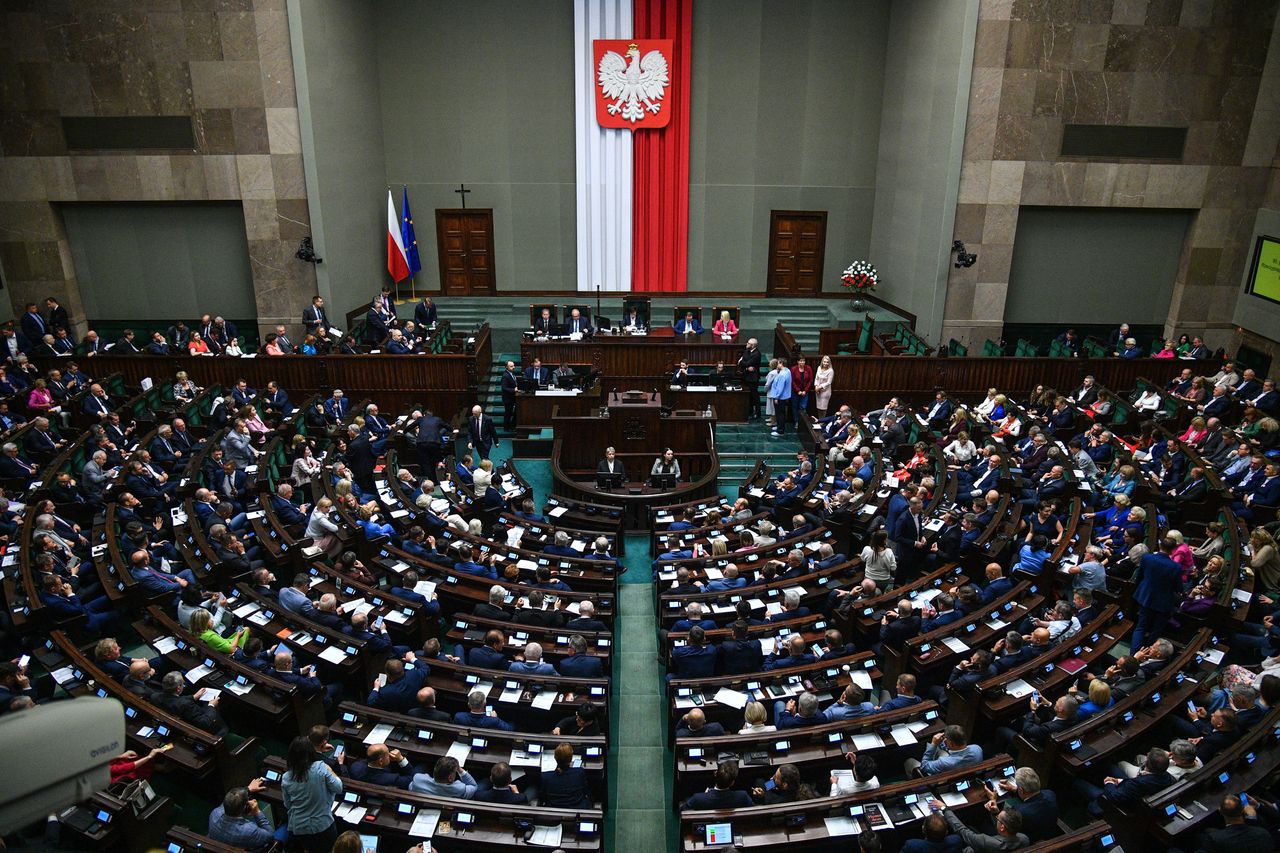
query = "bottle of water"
{"x": 708, "y": 410}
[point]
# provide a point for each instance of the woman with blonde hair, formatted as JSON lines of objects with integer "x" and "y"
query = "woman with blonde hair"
{"x": 202, "y": 628}
{"x": 482, "y": 477}
{"x": 322, "y": 530}
{"x": 719, "y": 547}
{"x": 755, "y": 719}
{"x": 725, "y": 325}
{"x": 257, "y": 427}
{"x": 1100, "y": 699}
{"x": 183, "y": 389}
{"x": 1264, "y": 560}
{"x": 822, "y": 380}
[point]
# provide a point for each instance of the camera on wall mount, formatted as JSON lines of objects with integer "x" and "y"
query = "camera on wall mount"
{"x": 964, "y": 258}
{"x": 307, "y": 252}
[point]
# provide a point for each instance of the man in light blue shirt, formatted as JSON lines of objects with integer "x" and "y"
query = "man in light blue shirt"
{"x": 532, "y": 663}
{"x": 446, "y": 780}
{"x": 1090, "y": 574}
{"x": 294, "y": 598}
{"x": 948, "y": 750}
{"x": 731, "y": 580}
{"x": 779, "y": 390}
{"x": 852, "y": 703}
{"x": 239, "y": 822}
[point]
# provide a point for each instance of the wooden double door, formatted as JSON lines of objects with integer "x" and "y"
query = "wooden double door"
{"x": 797, "y": 243}
{"x": 465, "y": 240}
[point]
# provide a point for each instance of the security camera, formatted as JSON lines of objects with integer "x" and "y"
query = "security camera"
{"x": 964, "y": 258}
{"x": 307, "y": 253}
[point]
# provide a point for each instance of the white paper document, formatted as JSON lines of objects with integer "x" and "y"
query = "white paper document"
{"x": 333, "y": 654}
{"x": 546, "y": 836}
{"x": 424, "y": 823}
{"x": 1018, "y": 688}
{"x": 544, "y": 700}
{"x": 198, "y": 673}
{"x": 379, "y": 734}
{"x": 459, "y": 750}
{"x": 902, "y": 735}
{"x": 867, "y": 741}
{"x": 732, "y": 698}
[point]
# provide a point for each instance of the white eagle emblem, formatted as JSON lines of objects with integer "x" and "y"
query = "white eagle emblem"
{"x": 627, "y": 86}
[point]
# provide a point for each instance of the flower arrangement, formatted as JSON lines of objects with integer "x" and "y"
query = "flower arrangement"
{"x": 860, "y": 277}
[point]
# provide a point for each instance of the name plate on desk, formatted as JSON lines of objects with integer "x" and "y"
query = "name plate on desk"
{"x": 558, "y": 392}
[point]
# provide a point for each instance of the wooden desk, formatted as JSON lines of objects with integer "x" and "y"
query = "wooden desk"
{"x": 534, "y": 410}
{"x": 654, "y": 354}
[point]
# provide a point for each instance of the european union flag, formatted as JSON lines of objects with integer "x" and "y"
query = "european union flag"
{"x": 406, "y": 233}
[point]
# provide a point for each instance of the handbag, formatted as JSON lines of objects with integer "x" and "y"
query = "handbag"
{"x": 137, "y": 794}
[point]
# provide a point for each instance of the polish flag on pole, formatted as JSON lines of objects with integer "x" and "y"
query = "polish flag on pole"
{"x": 397, "y": 260}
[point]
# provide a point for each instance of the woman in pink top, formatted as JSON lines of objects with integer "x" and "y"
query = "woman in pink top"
{"x": 1169, "y": 351}
{"x": 1182, "y": 555}
{"x": 725, "y": 325}
{"x": 1195, "y": 432}
{"x": 40, "y": 397}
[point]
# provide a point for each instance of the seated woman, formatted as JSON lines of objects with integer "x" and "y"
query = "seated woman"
{"x": 196, "y": 345}
{"x": 1199, "y": 600}
{"x": 725, "y": 325}
{"x": 1009, "y": 426}
{"x": 233, "y": 348}
{"x": 1100, "y": 699}
{"x": 1041, "y": 400}
{"x": 308, "y": 345}
{"x": 1148, "y": 400}
{"x": 481, "y": 478}
{"x": 272, "y": 348}
{"x": 1195, "y": 433}
{"x": 322, "y": 530}
{"x": 988, "y": 405}
{"x": 961, "y": 449}
{"x": 1044, "y": 523}
{"x": 1033, "y": 554}
{"x": 565, "y": 787}
{"x": 305, "y": 467}
{"x": 997, "y": 413}
{"x": 959, "y": 424}
{"x": 1169, "y": 350}
{"x": 1101, "y": 408}
{"x": 202, "y": 628}
{"x": 257, "y": 426}
{"x": 666, "y": 464}
{"x": 1122, "y": 482}
{"x": 367, "y": 516}
{"x": 184, "y": 390}
{"x": 1196, "y": 394}
{"x": 40, "y": 398}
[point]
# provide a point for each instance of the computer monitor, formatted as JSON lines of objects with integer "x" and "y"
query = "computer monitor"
{"x": 559, "y": 330}
{"x": 567, "y": 380}
{"x": 527, "y": 384}
{"x": 719, "y": 833}
{"x": 606, "y": 480}
{"x": 663, "y": 482}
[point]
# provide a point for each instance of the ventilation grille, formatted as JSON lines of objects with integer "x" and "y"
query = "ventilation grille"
{"x": 1123, "y": 142}
{"x": 98, "y": 133}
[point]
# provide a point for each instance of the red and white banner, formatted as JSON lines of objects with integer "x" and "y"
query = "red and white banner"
{"x": 633, "y": 82}
{"x": 397, "y": 260}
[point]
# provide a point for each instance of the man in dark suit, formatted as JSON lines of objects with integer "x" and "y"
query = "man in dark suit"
{"x": 694, "y": 659}
{"x": 909, "y": 541}
{"x": 58, "y": 319}
{"x": 577, "y": 324}
{"x": 429, "y": 436}
{"x": 509, "y": 381}
{"x": 400, "y": 692}
{"x": 1240, "y": 834}
{"x": 543, "y": 322}
{"x": 426, "y": 708}
{"x": 899, "y": 625}
{"x": 586, "y": 620}
{"x": 480, "y": 432}
{"x": 383, "y": 766}
{"x": 694, "y": 724}
{"x": 360, "y": 458}
{"x": 749, "y": 373}
{"x": 493, "y": 608}
{"x": 313, "y": 316}
{"x": 1158, "y": 588}
{"x": 490, "y": 655}
{"x": 1043, "y": 720}
{"x": 722, "y": 794}
{"x": 33, "y": 326}
{"x": 1129, "y": 793}
{"x": 538, "y": 373}
{"x": 202, "y": 715}
{"x": 580, "y": 664}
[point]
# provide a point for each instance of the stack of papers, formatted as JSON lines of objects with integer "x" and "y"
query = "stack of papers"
{"x": 558, "y": 511}
{"x": 378, "y": 734}
{"x": 164, "y": 645}
{"x": 198, "y": 673}
{"x": 546, "y": 836}
{"x": 333, "y": 654}
{"x": 732, "y": 698}
{"x": 1018, "y": 688}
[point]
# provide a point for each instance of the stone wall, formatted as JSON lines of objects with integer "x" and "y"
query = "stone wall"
{"x": 225, "y": 63}
{"x": 1040, "y": 64}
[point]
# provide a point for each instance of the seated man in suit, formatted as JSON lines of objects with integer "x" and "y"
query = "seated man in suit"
{"x": 949, "y": 750}
{"x": 740, "y": 654}
{"x": 491, "y": 655}
{"x": 576, "y": 324}
{"x": 383, "y": 766}
{"x": 695, "y": 659}
{"x": 531, "y": 662}
{"x": 1128, "y": 793}
{"x": 680, "y": 376}
{"x": 693, "y": 615}
{"x": 477, "y": 717}
{"x": 426, "y": 708}
{"x": 538, "y": 373}
{"x": 580, "y": 664}
{"x": 400, "y": 692}
{"x": 633, "y": 318}
{"x": 722, "y": 794}
{"x": 543, "y": 322}
{"x": 693, "y": 724}
{"x": 687, "y": 325}
{"x": 57, "y": 596}
{"x": 202, "y": 715}
{"x": 586, "y": 620}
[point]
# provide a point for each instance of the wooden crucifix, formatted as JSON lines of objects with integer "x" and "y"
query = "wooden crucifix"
{"x": 462, "y": 194}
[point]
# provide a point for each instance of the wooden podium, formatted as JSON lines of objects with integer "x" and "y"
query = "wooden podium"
{"x": 635, "y": 427}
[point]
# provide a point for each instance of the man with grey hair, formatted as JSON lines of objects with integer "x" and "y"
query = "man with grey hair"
{"x": 531, "y": 662}
{"x": 239, "y": 822}
{"x": 1039, "y": 808}
{"x": 790, "y": 607}
{"x": 798, "y": 712}
{"x": 202, "y": 715}
{"x": 1008, "y": 830}
{"x": 13, "y": 466}
{"x": 494, "y": 608}
{"x": 749, "y": 372}
{"x": 693, "y": 615}
{"x": 1182, "y": 760}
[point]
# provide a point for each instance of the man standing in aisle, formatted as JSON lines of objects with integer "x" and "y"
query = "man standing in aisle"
{"x": 779, "y": 390}
{"x": 483, "y": 437}
{"x": 749, "y": 372}
{"x": 509, "y": 383}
